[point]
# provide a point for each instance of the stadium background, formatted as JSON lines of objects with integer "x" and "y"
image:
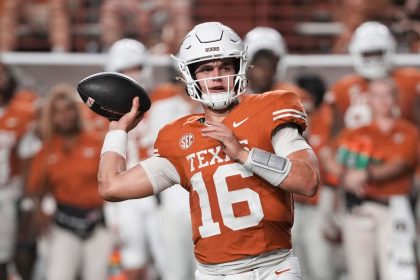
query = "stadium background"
{"x": 310, "y": 29}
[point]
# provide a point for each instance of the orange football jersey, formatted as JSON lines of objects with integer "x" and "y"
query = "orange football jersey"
{"x": 305, "y": 97}
{"x": 71, "y": 172}
{"x": 235, "y": 214}
{"x": 170, "y": 102}
{"x": 399, "y": 143}
{"x": 94, "y": 121}
{"x": 14, "y": 122}
{"x": 351, "y": 92}
{"x": 317, "y": 136}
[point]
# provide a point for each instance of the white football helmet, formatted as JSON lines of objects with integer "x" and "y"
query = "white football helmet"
{"x": 372, "y": 48}
{"x": 265, "y": 38}
{"x": 129, "y": 53}
{"x": 208, "y": 41}
{"x": 125, "y": 54}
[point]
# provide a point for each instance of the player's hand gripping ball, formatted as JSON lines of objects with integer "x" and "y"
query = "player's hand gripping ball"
{"x": 111, "y": 94}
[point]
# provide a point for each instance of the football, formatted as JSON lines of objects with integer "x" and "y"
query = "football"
{"x": 111, "y": 94}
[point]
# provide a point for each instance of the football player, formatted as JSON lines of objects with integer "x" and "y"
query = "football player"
{"x": 131, "y": 219}
{"x": 372, "y": 49}
{"x": 240, "y": 161}
{"x": 79, "y": 243}
{"x": 267, "y": 51}
{"x": 376, "y": 164}
{"x": 16, "y": 114}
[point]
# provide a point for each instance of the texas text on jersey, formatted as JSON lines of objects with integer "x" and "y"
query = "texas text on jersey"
{"x": 235, "y": 214}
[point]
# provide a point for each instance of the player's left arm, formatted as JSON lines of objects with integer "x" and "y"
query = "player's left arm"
{"x": 303, "y": 177}
{"x": 293, "y": 167}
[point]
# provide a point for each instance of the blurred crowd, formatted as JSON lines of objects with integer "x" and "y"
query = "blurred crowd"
{"x": 152, "y": 22}
{"x": 363, "y": 223}
{"x": 93, "y": 25}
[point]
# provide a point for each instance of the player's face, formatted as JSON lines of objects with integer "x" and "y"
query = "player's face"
{"x": 216, "y": 75}
{"x": 261, "y": 76}
{"x": 382, "y": 98}
{"x": 64, "y": 115}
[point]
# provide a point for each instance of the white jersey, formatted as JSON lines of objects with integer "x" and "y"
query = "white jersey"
{"x": 138, "y": 224}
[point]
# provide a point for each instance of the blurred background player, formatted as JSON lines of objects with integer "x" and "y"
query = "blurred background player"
{"x": 267, "y": 52}
{"x": 173, "y": 237}
{"x": 376, "y": 164}
{"x": 372, "y": 49}
{"x": 320, "y": 258}
{"x": 134, "y": 222}
{"x": 16, "y": 115}
{"x": 65, "y": 167}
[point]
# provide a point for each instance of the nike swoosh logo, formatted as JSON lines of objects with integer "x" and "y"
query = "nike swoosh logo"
{"x": 236, "y": 124}
{"x": 278, "y": 272}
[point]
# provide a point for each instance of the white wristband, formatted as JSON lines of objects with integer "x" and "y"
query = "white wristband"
{"x": 115, "y": 141}
{"x": 271, "y": 167}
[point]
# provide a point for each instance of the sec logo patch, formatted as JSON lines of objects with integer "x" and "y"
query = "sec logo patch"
{"x": 186, "y": 141}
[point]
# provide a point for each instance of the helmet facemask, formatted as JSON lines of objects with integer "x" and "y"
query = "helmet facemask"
{"x": 373, "y": 64}
{"x": 220, "y": 100}
{"x": 233, "y": 86}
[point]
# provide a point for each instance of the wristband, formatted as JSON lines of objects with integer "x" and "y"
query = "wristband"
{"x": 115, "y": 141}
{"x": 271, "y": 167}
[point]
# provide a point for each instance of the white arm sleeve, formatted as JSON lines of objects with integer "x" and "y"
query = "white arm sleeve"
{"x": 161, "y": 172}
{"x": 288, "y": 140}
